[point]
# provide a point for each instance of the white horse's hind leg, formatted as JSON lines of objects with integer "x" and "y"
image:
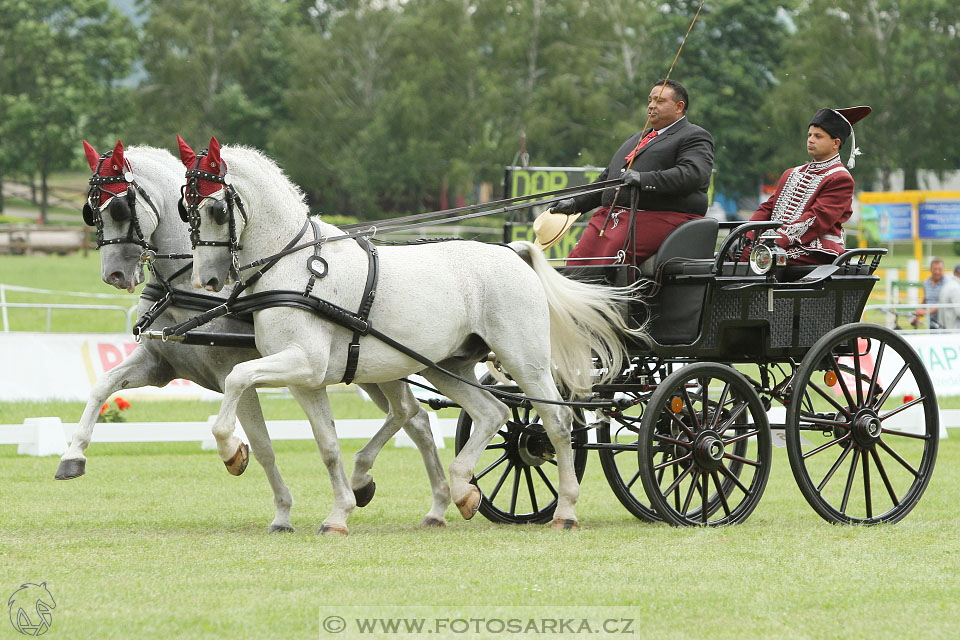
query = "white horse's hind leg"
{"x": 557, "y": 422}
{"x": 142, "y": 368}
{"x": 251, "y": 417}
{"x": 403, "y": 411}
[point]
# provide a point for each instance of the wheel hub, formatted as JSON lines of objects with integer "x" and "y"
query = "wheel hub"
{"x": 708, "y": 451}
{"x": 534, "y": 448}
{"x": 867, "y": 428}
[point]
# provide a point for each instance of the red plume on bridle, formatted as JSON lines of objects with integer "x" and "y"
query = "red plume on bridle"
{"x": 114, "y": 164}
{"x": 210, "y": 162}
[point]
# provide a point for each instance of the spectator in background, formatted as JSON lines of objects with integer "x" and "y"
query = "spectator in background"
{"x": 932, "y": 287}
{"x": 950, "y": 295}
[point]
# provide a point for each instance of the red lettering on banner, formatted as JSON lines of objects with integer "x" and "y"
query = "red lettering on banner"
{"x": 128, "y": 347}
{"x": 110, "y": 356}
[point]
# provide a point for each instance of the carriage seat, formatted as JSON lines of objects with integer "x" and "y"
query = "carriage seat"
{"x": 685, "y": 248}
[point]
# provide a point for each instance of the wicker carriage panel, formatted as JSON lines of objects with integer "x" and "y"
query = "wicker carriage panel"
{"x": 780, "y": 319}
{"x": 816, "y": 318}
{"x": 726, "y": 306}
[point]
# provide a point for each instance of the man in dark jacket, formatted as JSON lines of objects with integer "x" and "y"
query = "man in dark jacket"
{"x": 667, "y": 166}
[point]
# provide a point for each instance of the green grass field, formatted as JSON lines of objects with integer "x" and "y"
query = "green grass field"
{"x": 158, "y": 541}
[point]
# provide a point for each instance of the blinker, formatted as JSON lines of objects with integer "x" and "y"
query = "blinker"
{"x": 219, "y": 211}
{"x": 183, "y": 211}
{"x": 119, "y": 209}
{"x": 88, "y": 214}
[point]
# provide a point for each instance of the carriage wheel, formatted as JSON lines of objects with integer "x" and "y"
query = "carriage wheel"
{"x": 518, "y": 471}
{"x": 866, "y": 451}
{"x": 620, "y": 464}
{"x": 698, "y": 464}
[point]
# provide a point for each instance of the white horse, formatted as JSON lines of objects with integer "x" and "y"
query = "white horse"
{"x": 124, "y": 233}
{"x": 452, "y": 302}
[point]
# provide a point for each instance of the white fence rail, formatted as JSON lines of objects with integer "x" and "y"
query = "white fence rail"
{"x": 49, "y": 436}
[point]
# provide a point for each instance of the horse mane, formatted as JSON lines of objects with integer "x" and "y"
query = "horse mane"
{"x": 155, "y": 164}
{"x": 262, "y": 177}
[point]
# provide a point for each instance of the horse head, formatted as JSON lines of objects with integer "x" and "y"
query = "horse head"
{"x": 212, "y": 207}
{"x": 122, "y": 212}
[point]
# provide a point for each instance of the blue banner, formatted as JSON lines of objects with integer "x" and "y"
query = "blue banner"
{"x": 939, "y": 220}
{"x": 894, "y": 221}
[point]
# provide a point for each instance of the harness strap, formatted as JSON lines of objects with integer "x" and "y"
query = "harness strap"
{"x": 366, "y": 303}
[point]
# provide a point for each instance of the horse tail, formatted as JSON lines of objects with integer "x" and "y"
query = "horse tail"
{"x": 585, "y": 319}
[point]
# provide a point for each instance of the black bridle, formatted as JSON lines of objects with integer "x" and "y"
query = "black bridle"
{"x": 221, "y": 211}
{"x": 120, "y": 206}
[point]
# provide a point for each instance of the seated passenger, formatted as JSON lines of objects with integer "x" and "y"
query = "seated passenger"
{"x": 667, "y": 165}
{"x": 813, "y": 200}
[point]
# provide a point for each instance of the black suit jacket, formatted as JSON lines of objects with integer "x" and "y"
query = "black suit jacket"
{"x": 674, "y": 168}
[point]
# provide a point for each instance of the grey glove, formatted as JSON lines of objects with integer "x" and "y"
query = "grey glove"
{"x": 568, "y": 205}
{"x": 632, "y": 178}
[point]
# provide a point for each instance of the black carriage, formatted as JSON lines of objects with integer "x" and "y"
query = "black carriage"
{"x": 683, "y": 435}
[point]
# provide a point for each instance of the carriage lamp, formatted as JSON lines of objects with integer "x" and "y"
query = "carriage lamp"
{"x": 766, "y": 254}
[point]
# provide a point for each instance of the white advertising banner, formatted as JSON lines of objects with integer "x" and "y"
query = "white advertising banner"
{"x": 64, "y": 366}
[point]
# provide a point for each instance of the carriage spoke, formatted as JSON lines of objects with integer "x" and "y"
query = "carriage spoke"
{"x": 704, "y": 397}
{"x": 723, "y": 497}
{"x": 823, "y": 394}
{"x": 492, "y": 465}
{"x": 676, "y": 483}
{"x": 682, "y": 425}
{"x": 742, "y": 436}
{"x": 843, "y": 383}
{"x": 896, "y": 380}
{"x": 533, "y": 493}
{"x": 704, "y": 490}
{"x": 896, "y": 456}
{"x": 833, "y": 469}
{"x": 866, "y": 484}
{"x": 496, "y": 489}
{"x": 856, "y": 373}
{"x": 662, "y": 438}
{"x": 663, "y": 465}
{"x": 826, "y": 446}
{"x": 693, "y": 412}
{"x": 883, "y": 475}
{"x": 732, "y": 456}
{"x": 733, "y": 417}
{"x": 723, "y": 400}
{"x": 516, "y": 490}
{"x": 694, "y": 484}
{"x": 735, "y": 479}
{"x": 902, "y": 407}
{"x": 906, "y": 434}
{"x": 546, "y": 481}
{"x": 635, "y": 477}
{"x": 850, "y": 476}
{"x": 876, "y": 372}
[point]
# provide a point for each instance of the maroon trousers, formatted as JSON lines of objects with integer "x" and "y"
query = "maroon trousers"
{"x": 650, "y": 229}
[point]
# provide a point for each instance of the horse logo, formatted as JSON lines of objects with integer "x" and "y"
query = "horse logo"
{"x": 30, "y": 607}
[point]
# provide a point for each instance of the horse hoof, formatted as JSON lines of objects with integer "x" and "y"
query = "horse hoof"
{"x": 430, "y": 521}
{"x": 565, "y": 524}
{"x": 469, "y": 504}
{"x": 238, "y": 463}
{"x": 364, "y": 495}
{"x": 281, "y": 528}
{"x": 332, "y": 530}
{"x": 73, "y": 468}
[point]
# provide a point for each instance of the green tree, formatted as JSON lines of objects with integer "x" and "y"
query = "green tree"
{"x": 60, "y": 63}
{"x": 902, "y": 57}
{"x": 214, "y": 69}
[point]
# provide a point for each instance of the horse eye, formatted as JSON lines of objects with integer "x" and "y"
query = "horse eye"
{"x": 219, "y": 212}
{"x": 119, "y": 210}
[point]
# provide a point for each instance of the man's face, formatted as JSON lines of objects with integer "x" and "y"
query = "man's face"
{"x": 663, "y": 108}
{"x": 820, "y": 145}
{"x": 936, "y": 271}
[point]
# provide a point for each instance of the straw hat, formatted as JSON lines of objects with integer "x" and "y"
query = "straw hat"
{"x": 549, "y": 227}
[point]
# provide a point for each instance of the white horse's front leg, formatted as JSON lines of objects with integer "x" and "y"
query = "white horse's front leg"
{"x": 316, "y": 405}
{"x": 142, "y": 368}
{"x": 285, "y": 368}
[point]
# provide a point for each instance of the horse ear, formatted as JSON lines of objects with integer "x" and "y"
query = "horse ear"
{"x": 116, "y": 159}
{"x": 187, "y": 156}
{"x": 213, "y": 155}
{"x": 92, "y": 156}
